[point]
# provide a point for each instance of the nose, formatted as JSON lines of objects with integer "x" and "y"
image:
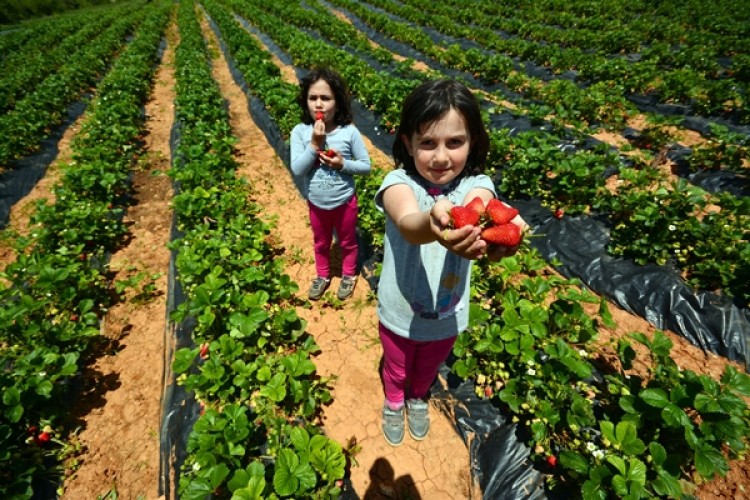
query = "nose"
{"x": 441, "y": 155}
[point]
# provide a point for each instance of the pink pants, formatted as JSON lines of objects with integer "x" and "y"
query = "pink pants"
{"x": 344, "y": 220}
{"x": 410, "y": 363}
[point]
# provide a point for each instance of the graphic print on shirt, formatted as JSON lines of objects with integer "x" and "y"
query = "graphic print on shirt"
{"x": 448, "y": 300}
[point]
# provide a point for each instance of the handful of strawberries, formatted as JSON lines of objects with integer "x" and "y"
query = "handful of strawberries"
{"x": 495, "y": 221}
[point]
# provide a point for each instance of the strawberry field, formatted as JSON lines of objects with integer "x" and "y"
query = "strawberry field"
{"x": 620, "y": 131}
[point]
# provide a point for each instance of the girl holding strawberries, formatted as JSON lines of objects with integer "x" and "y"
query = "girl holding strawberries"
{"x": 441, "y": 146}
{"x": 327, "y": 151}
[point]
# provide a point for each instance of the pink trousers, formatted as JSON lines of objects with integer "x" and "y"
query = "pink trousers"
{"x": 344, "y": 220}
{"x": 410, "y": 366}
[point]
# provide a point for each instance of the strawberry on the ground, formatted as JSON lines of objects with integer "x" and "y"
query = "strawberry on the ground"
{"x": 476, "y": 205}
{"x": 463, "y": 216}
{"x": 552, "y": 461}
{"x": 507, "y": 235}
{"x": 499, "y": 212}
{"x": 559, "y": 213}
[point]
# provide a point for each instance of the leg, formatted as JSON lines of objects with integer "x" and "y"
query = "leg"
{"x": 397, "y": 356}
{"x": 346, "y": 228}
{"x": 427, "y": 360}
{"x": 322, "y": 229}
{"x": 396, "y": 353}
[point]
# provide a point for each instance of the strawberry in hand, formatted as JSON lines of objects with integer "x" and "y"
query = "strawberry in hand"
{"x": 499, "y": 212}
{"x": 507, "y": 235}
{"x": 464, "y": 216}
{"x": 319, "y": 115}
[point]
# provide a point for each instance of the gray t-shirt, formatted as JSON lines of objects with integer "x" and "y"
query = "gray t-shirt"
{"x": 423, "y": 292}
{"x": 325, "y": 187}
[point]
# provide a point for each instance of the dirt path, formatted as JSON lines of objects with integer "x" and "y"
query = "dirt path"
{"x": 119, "y": 410}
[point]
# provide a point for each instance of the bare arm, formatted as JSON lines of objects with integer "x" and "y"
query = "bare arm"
{"x": 419, "y": 228}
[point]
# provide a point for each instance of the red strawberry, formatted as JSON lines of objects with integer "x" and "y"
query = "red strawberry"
{"x": 204, "y": 350}
{"x": 73, "y": 317}
{"x": 488, "y": 391}
{"x": 477, "y": 205}
{"x": 42, "y": 439}
{"x": 463, "y": 216}
{"x": 507, "y": 235}
{"x": 499, "y": 212}
{"x": 559, "y": 213}
{"x": 552, "y": 461}
{"x": 319, "y": 115}
{"x": 330, "y": 153}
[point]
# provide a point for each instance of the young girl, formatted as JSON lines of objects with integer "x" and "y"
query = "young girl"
{"x": 327, "y": 150}
{"x": 441, "y": 145}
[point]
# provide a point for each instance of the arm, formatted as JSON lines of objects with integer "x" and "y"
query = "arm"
{"x": 304, "y": 150}
{"x": 358, "y": 164}
{"x": 419, "y": 228}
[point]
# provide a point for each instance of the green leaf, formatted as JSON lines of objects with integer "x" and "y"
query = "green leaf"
{"x": 11, "y": 396}
{"x": 709, "y": 461}
{"x": 674, "y": 416}
{"x": 736, "y": 381}
{"x": 666, "y": 485}
{"x": 300, "y": 438}
{"x": 574, "y": 461}
{"x": 291, "y": 476}
{"x": 657, "y": 398}
{"x": 275, "y": 389}
{"x": 658, "y": 452}
{"x": 217, "y": 474}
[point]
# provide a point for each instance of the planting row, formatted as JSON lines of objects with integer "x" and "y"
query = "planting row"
{"x": 248, "y": 362}
{"x": 55, "y": 293}
{"x": 45, "y": 105}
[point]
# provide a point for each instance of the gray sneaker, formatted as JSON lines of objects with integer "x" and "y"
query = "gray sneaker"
{"x": 346, "y": 287}
{"x": 318, "y": 288}
{"x": 393, "y": 425}
{"x": 418, "y": 415}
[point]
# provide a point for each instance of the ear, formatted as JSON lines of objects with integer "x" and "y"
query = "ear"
{"x": 407, "y": 142}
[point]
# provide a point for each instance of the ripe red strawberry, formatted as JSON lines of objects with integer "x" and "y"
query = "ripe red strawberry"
{"x": 552, "y": 461}
{"x": 499, "y": 212}
{"x": 204, "y": 350}
{"x": 559, "y": 213}
{"x": 42, "y": 438}
{"x": 507, "y": 235}
{"x": 73, "y": 317}
{"x": 463, "y": 216}
{"x": 330, "y": 153}
{"x": 488, "y": 391}
{"x": 319, "y": 115}
{"x": 477, "y": 205}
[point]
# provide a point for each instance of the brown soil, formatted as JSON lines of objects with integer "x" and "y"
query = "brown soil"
{"x": 119, "y": 409}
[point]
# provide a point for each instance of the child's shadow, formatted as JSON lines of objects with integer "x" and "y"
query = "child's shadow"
{"x": 384, "y": 486}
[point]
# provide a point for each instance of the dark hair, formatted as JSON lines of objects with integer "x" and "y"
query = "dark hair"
{"x": 429, "y": 102}
{"x": 340, "y": 91}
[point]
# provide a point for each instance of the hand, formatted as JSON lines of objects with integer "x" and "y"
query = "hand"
{"x": 464, "y": 241}
{"x": 331, "y": 159}
{"x": 497, "y": 252}
{"x": 318, "y": 138}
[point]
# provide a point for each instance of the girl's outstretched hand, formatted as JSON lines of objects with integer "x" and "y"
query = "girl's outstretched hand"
{"x": 464, "y": 241}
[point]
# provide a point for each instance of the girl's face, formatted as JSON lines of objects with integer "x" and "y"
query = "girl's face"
{"x": 320, "y": 98}
{"x": 441, "y": 148}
